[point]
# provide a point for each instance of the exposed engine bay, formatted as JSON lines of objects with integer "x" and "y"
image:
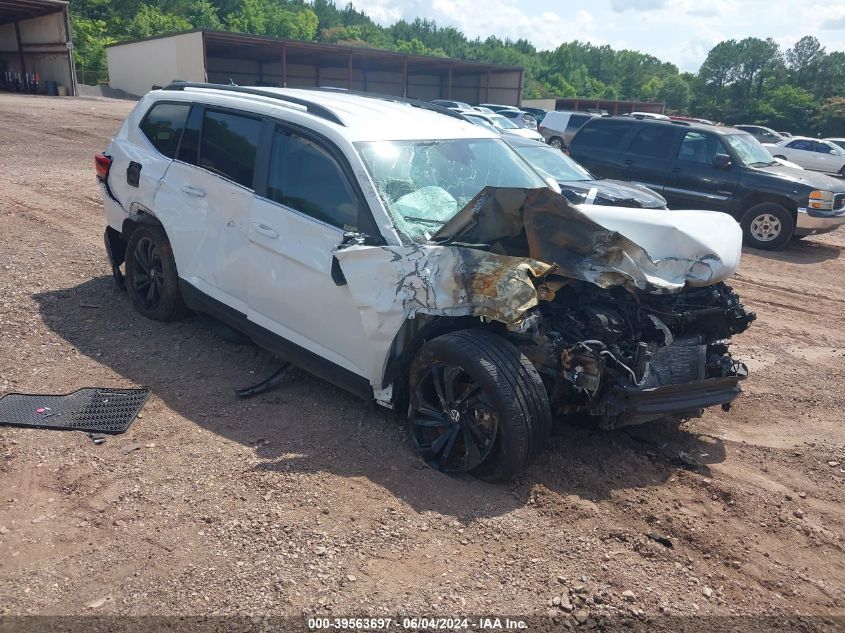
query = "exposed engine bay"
{"x": 599, "y": 349}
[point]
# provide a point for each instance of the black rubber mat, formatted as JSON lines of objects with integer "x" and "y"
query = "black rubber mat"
{"x": 90, "y": 409}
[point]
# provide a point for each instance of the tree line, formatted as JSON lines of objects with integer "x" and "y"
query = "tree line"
{"x": 800, "y": 89}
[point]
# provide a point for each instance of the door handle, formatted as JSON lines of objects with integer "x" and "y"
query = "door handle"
{"x": 627, "y": 161}
{"x": 266, "y": 231}
{"x": 676, "y": 170}
{"x": 196, "y": 192}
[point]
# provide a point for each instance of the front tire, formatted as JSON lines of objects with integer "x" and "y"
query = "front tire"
{"x": 477, "y": 405}
{"x": 556, "y": 142}
{"x": 767, "y": 226}
{"x": 151, "y": 278}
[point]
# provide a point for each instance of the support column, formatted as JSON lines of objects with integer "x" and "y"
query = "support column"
{"x": 521, "y": 88}
{"x": 449, "y": 86}
{"x": 20, "y": 48}
{"x": 284, "y": 66}
{"x": 317, "y": 73}
{"x": 349, "y": 72}
{"x": 405, "y": 77}
{"x": 487, "y": 88}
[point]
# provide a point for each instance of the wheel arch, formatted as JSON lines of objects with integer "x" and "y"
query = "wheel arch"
{"x": 410, "y": 337}
{"x": 139, "y": 217}
{"x": 757, "y": 197}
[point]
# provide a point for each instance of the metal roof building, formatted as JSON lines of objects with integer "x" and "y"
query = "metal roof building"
{"x": 252, "y": 60}
{"x": 35, "y": 39}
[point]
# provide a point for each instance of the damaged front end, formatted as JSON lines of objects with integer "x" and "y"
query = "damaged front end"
{"x": 628, "y": 358}
{"x": 627, "y": 320}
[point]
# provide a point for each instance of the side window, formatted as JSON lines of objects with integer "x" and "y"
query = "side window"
{"x": 576, "y": 121}
{"x": 228, "y": 144}
{"x": 698, "y": 147}
{"x": 189, "y": 148}
{"x": 305, "y": 177}
{"x": 799, "y": 145}
{"x": 163, "y": 126}
{"x": 602, "y": 133}
{"x": 653, "y": 140}
{"x": 821, "y": 148}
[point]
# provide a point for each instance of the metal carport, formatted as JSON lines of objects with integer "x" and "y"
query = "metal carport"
{"x": 35, "y": 39}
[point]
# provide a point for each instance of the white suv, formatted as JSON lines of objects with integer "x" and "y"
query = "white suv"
{"x": 414, "y": 258}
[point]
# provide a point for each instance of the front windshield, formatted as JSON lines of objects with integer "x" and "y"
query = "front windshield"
{"x": 425, "y": 183}
{"x": 554, "y": 163}
{"x": 749, "y": 151}
{"x": 503, "y": 122}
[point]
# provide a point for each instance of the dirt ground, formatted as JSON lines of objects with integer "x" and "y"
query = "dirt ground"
{"x": 309, "y": 501}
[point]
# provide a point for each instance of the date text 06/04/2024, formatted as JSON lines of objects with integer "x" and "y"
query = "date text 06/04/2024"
{"x": 417, "y": 623}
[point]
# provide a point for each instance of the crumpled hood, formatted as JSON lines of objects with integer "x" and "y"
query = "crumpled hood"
{"x": 710, "y": 237}
{"x": 650, "y": 250}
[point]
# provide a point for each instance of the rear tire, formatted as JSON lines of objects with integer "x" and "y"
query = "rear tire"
{"x": 556, "y": 142}
{"x": 477, "y": 405}
{"x": 767, "y": 226}
{"x": 151, "y": 278}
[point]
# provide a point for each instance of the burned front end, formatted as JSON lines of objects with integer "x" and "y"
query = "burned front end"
{"x": 631, "y": 358}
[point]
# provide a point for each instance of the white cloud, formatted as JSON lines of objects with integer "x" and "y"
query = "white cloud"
{"x": 678, "y": 31}
{"x": 636, "y": 5}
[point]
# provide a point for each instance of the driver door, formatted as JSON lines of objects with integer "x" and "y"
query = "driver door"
{"x": 695, "y": 182}
{"x": 309, "y": 201}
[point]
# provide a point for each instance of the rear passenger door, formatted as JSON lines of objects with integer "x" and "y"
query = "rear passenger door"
{"x": 597, "y": 146}
{"x": 204, "y": 201}
{"x": 307, "y": 203}
{"x": 648, "y": 157}
{"x": 696, "y": 183}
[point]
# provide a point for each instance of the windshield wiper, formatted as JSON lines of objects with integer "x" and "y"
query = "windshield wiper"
{"x": 429, "y": 220}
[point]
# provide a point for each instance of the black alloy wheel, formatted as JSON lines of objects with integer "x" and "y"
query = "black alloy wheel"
{"x": 453, "y": 422}
{"x": 148, "y": 277}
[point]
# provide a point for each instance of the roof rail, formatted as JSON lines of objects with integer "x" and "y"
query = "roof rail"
{"x": 312, "y": 108}
{"x": 416, "y": 103}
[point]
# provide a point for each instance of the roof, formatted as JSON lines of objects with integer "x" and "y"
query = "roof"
{"x": 17, "y": 10}
{"x": 249, "y": 40}
{"x": 358, "y": 116}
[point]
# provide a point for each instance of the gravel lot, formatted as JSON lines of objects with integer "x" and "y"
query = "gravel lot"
{"x": 308, "y": 501}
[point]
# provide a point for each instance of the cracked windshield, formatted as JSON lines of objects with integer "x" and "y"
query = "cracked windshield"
{"x": 424, "y": 184}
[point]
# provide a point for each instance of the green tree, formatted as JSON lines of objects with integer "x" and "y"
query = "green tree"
{"x": 150, "y": 20}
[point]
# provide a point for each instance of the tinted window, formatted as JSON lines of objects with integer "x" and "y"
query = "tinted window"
{"x": 698, "y": 147}
{"x": 602, "y": 133}
{"x": 228, "y": 145}
{"x": 653, "y": 140}
{"x": 189, "y": 148}
{"x": 577, "y": 120}
{"x": 804, "y": 145}
{"x": 307, "y": 178}
{"x": 163, "y": 126}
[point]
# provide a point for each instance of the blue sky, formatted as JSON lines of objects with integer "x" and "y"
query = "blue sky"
{"x": 679, "y": 31}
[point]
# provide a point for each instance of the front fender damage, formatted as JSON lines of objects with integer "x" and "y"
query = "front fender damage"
{"x": 390, "y": 284}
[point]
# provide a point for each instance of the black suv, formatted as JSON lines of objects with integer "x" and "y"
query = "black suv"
{"x": 708, "y": 167}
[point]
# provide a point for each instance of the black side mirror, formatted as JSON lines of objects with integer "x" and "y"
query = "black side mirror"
{"x": 722, "y": 161}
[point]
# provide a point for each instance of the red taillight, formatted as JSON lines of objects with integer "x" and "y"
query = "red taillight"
{"x": 102, "y": 163}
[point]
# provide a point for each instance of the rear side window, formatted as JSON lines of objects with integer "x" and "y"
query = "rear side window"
{"x": 602, "y": 133}
{"x": 577, "y": 120}
{"x": 189, "y": 148}
{"x": 228, "y": 145}
{"x": 653, "y": 140}
{"x": 306, "y": 177}
{"x": 163, "y": 126}
{"x": 801, "y": 144}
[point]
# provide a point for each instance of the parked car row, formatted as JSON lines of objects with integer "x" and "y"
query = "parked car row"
{"x": 524, "y": 118}
{"x": 649, "y": 162}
